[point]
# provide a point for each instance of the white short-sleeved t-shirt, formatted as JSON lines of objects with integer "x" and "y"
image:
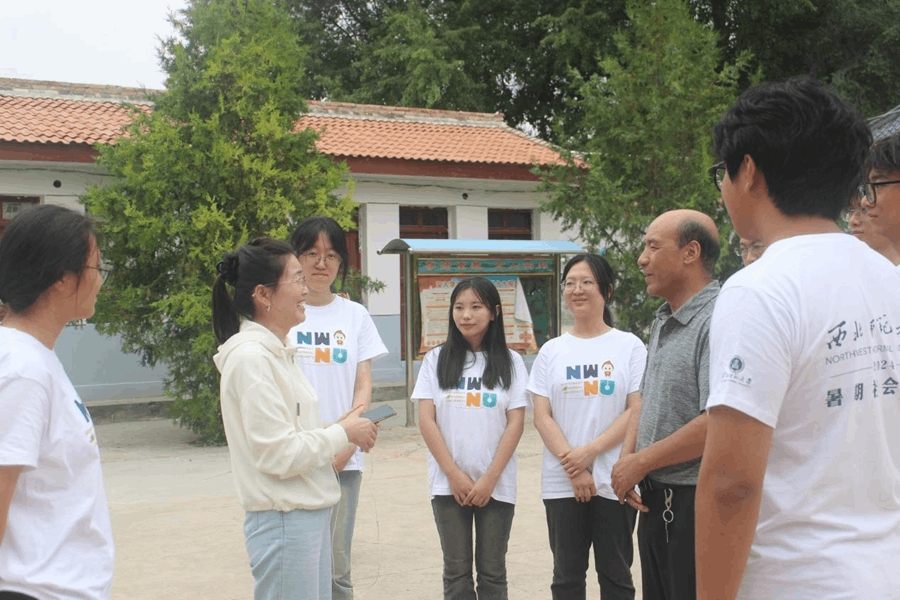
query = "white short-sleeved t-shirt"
{"x": 807, "y": 341}
{"x": 58, "y": 541}
{"x": 331, "y": 342}
{"x": 472, "y": 419}
{"x": 587, "y": 381}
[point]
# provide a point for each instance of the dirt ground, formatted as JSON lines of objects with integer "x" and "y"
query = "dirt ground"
{"x": 178, "y": 525}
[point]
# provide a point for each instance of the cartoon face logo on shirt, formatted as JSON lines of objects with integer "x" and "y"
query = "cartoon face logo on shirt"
{"x": 592, "y": 385}
{"x": 315, "y": 346}
{"x": 608, "y": 369}
{"x": 736, "y": 364}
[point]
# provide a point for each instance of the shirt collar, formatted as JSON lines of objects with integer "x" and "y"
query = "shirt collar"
{"x": 690, "y": 308}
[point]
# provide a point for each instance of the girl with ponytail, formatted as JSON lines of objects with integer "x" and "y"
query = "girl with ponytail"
{"x": 280, "y": 454}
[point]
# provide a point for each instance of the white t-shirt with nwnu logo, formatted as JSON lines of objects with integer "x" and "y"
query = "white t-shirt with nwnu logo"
{"x": 331, "y": 343}
{"x": 587, "y": 381}
{"x": 472, "y": 419}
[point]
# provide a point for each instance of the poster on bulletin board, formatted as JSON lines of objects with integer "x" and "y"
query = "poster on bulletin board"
{"x": 434, "y": 300}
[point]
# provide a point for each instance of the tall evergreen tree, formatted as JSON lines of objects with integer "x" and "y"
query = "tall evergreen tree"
{"x": 216, "y": 163}
{"x": 646, "y": 139}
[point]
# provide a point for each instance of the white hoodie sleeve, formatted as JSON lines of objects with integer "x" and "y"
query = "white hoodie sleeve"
{"x": 278, "y": 443}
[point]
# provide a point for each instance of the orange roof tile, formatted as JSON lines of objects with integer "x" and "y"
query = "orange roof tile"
{"x": 366, "y": 131}
{"x": 61, "y": 121}
{"x": 60, "y": 113}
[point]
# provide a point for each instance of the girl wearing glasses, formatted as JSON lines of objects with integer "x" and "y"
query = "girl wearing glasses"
{"x": 584, "y": 385}
{"x": 55, "y": 538}
{"x": 336, "y": 345}
{"x": 471, "y": 394}
{"x": 280, "y": 455}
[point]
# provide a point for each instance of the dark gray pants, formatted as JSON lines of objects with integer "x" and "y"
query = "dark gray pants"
{"x": 667, "y": 568}
{"x": 493, "y": 523}
{"x": 576, "y": 526}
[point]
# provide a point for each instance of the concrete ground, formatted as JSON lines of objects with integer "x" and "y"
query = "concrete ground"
{"x": 178, "y": 525}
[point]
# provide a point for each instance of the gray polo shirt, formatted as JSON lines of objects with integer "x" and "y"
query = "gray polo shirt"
{"x": 676, "y": 380}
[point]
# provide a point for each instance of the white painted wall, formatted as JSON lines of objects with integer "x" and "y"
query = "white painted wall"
{"x": 378, "y": 224}
{"x": 30, "y": 178}
{"x": 468, "y": 222}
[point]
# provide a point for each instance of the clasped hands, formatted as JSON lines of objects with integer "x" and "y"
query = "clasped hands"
{"x": 471, "y": 493}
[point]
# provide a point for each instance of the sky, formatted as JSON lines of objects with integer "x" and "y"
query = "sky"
{"x": 111, "y": 42}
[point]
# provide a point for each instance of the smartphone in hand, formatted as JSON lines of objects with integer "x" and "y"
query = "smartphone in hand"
{"x": 379, "y": 413}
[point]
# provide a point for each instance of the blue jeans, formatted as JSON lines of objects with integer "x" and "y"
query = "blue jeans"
{"x": 290, "y": 554}
{"x": 492, "y": 526}
{"x": 343, "y": 519}
{"x": 576, "y": 526}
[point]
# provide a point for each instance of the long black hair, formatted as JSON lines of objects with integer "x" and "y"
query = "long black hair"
{"x": 307, "y": 234}
{"x": 260, "y": 262}
{"x": 40, "y": 246}
{"x": 452, "y": 359}
{"x": 603, "y": 275}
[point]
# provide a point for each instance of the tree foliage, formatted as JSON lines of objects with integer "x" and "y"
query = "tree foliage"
{"x": 646, "y": 138}
{"x": 216, "y": 163}
{"x": 520, "y": 58}
{"x": 527, "y": 59}
{"x": 850, "y": 44}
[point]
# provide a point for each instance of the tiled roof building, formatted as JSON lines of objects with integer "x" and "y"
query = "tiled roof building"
{"x": 66, "y": 119}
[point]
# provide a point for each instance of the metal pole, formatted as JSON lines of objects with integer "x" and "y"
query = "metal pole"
{"x": 410, "y": 338}
{"x": 557, "y": 304}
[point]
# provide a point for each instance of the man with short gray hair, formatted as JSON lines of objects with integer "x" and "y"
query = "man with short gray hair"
{"x": 662, "y": 448}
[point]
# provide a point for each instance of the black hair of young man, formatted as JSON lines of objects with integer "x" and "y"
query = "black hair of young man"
{"x": 808, "y": 143}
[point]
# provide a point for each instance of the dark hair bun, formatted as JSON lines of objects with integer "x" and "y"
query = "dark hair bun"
{"x": 227, "y": 268}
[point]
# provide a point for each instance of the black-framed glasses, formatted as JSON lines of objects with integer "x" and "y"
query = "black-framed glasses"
{"x": 104, "y": 272}
{"x": 869, "y": 190}
{"x": 717, "y": 174}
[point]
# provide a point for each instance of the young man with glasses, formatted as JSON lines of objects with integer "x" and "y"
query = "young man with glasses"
{"x": 881, "y": 197}
{"x": 798, "y": 495}
{"x": 661, "y": 452}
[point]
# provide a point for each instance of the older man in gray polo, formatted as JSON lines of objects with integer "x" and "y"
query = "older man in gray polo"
{"x": 665, "y": 438}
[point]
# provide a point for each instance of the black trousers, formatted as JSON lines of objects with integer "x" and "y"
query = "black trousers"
{"x": 14, "y": 596}
{"x": 667, "y": 566}
{"x": 576, "y": 526}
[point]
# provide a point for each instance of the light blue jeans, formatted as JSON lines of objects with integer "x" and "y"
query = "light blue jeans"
{"x": 290, "y": 554}
{"x": 343, "y": 520}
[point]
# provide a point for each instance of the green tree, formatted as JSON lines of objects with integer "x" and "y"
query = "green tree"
{"x": 850, "y": 44}
{"x": 522, "y": 58}
{"x": 216, "y": 163}
{"x": 414, "y": 62}
{"x": 646, "y": 135}
{"x": 527, "y": 59}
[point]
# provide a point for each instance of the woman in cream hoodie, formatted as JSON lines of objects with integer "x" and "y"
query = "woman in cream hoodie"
{"x": 280, "y": 454}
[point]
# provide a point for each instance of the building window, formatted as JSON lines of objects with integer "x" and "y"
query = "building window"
{"x": 509, "y": 224}
{"x": 417, "y": 222}
{"x": 423, "y": 223}
{"x": 10, "y": 206}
